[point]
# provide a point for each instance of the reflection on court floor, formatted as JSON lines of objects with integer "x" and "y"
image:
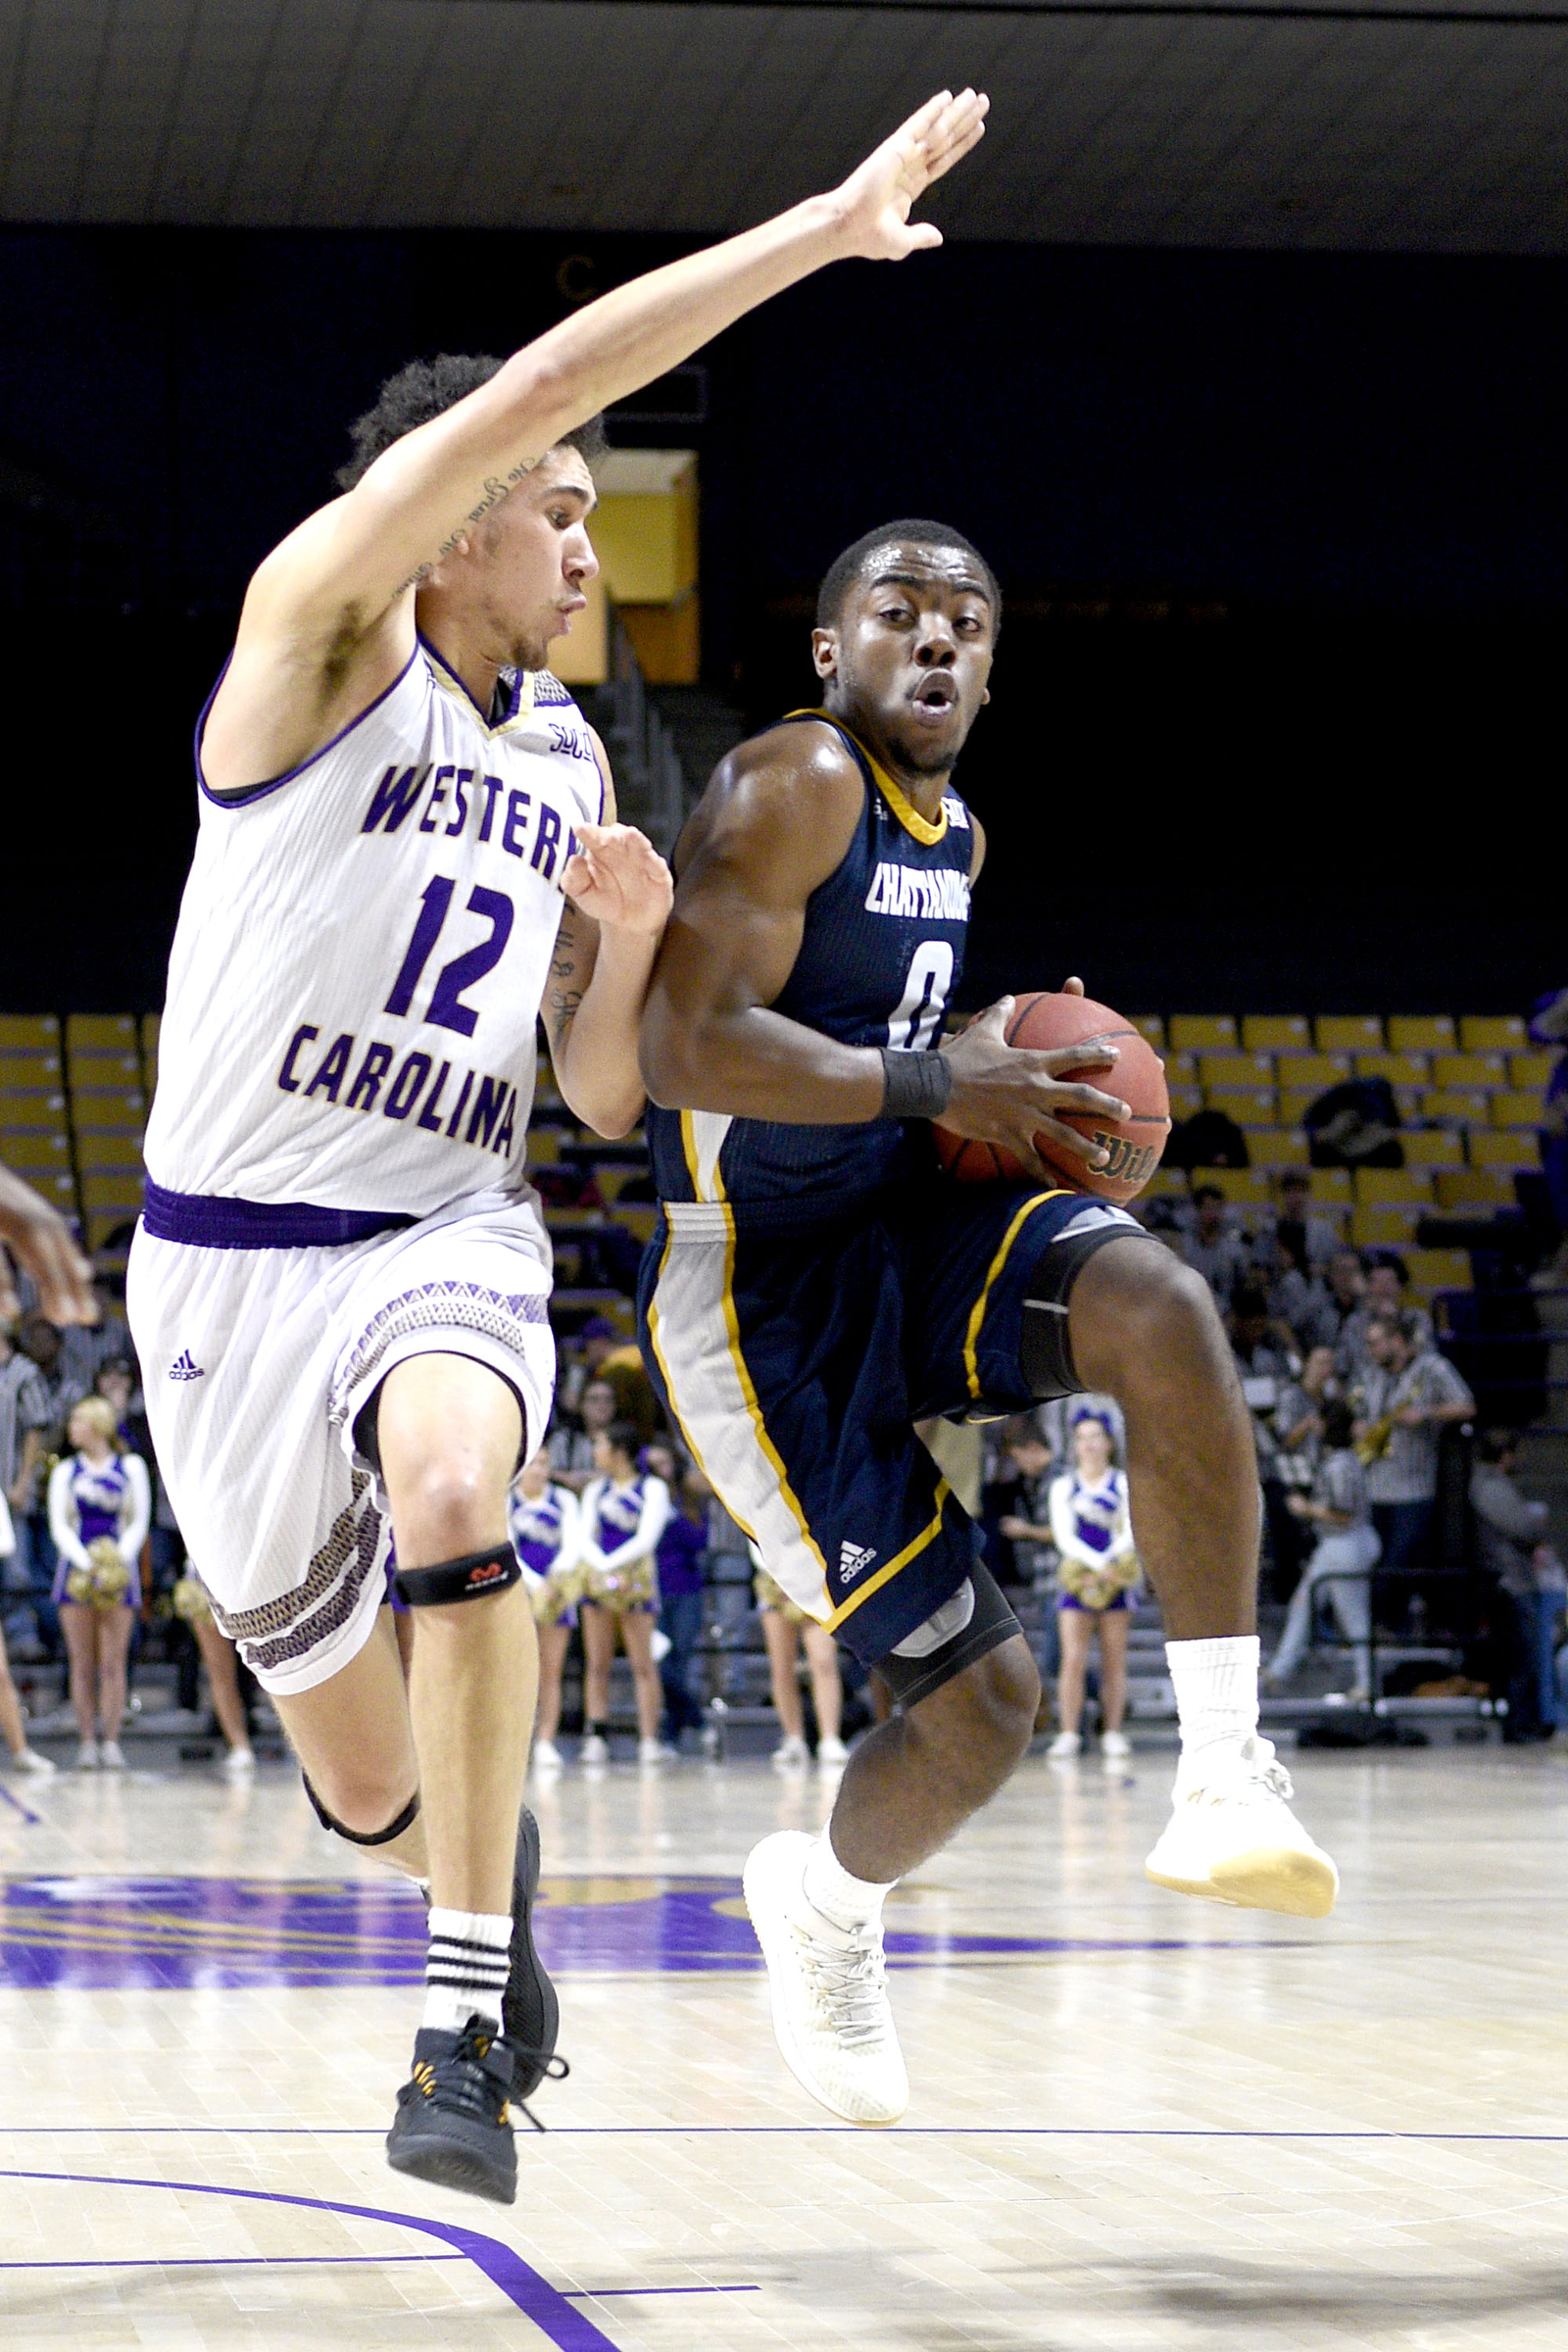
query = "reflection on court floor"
{"x": 187, "y": 1935}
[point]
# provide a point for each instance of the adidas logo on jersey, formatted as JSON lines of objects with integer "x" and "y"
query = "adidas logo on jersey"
{"x": 183, "y": 1369}
{"x": 852, "y": 1557}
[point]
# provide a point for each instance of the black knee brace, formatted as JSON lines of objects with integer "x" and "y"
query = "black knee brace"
{"x": 467, "y": 1579}
{"x": 935, "y": 1653}
{"x": 394, "y": 1829}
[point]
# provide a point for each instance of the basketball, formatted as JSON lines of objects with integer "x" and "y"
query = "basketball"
{"x": 1044, "y": 1021}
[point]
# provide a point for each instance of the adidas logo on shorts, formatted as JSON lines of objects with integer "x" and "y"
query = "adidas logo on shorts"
{"x": 852, "y": 1557}
{"x": 183, "y": 1369}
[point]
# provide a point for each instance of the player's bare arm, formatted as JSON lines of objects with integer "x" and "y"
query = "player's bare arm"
{"x": 617, "y": 902}
{"x": 41, "y": 1243}
{"x": 775, "y": 822}
{"x": 329, "y": 620}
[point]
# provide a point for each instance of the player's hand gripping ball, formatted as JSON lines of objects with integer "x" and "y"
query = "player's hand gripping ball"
{"x": 1046, "y": 1022}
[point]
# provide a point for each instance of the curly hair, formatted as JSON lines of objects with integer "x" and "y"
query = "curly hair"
{"x": 427, "y": 389}
{"x": 910, "y": 531}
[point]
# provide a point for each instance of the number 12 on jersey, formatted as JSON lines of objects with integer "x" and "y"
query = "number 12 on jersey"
{"x": 447, "y": 1008}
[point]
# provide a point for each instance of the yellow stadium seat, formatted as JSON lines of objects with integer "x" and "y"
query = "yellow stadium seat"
{"x": 1509, "y": 1110}
{"x": 1316, "y": 1070}
{"x": 86, "y": 1069}
{"x": 1276, "y": 1033}
{"x": 119, "y": 1109}
{"x": 638, "y": 1217}
{"x": 1249, "y": 1188}
{"x": 1531, "y": 1070}
{"x": 32, "y": 1107}
{"x": 1185, "y": 1099}
{"x": 1490, "y": 1032}
{"x": 1152, "y": 1025}
{"x": 1405, "y": 1185}
{"x": 1201, "y": 1032}
{"x": 101, "y": 1153}
{"x": 113, "y": 1188}
{"x": 1384, "y": 1221}
{"x": 1236, "y": 1069}
{"x": 1331, "y": 1187}
{"x": 101, "y": 1033}
{"x": 544, "y": 1146}
{"x": 1348, "y": 1032}
{"x": 110, "y": 1228}
{"x": 1181, "y": 1069}
{"x": 1249, "y": 1106}
{"x": 1455, "y": 1107}
{"x": 26, "y": 1152}
{"x": 1421, "y": 1032}
{"x": 1166, "y": 1184}
{"x": 40, "y": 1069}
{"x": 1276, "y": 1147}
{"x": 1433, "y": 1148}
{"x": 1440, "y": 1270}
{"x": 57, "y": 1187}
{"x": 1504, "y": 1148}
{"x": 1450, "y": 1070}
{"x": 151, "y": 1024}
{"x": 1475, "y": 1188}
{"x": 29, "y": 1033}
{"x": 1399, "y": 1070}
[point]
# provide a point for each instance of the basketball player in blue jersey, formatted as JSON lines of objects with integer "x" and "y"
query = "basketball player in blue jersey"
{"x": 816, "y": 1288}
{"x": 340, "y": 1291}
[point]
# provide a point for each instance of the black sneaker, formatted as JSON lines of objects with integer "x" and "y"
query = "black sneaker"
{"x": 530, "y": 2013}
{"x": 452, "y": 2126}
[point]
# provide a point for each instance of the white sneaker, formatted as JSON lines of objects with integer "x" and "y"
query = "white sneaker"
{"x": 112, "y": 1756}
{"x": 831, "y": 2013}
{"x": 546, "y": 1756}
{"x": 594, "y": 1750}
{"x": 240, "y": 1763}
{"x": 1064, "y": 1744}
{"x": 1116, "y": 1744}
{"x": 29, "y": 1760}
{"x": 654, "y": 1751}
{"x": 87, "y": 1756}
{"x": 832, "y": 1753}
{"x": 1235, "y": 1840}
{"x": 791, "y": 1756}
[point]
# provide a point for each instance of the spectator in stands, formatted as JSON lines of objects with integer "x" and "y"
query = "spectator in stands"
{"x": 1026, "y": 1523}
{"x": 1513, "y": 1546}
{"x": 1313, "y": 1239}
{"x": 1345, "y": 1554}
{"x": 1097, "y": 1577}
{"x": 784, "y": 1628}
{"x": 100, "y": 1507}
{"x": 1408, "y": 1396}
{"x": 1387, "y": 1279}
{"x": 545, "y": 1524}
{"x": 681, "y": 1560}
{"x": 1267, "y": 1366}
{"x": 23, "y": 1415}
{"x": 1297, "y": 1302}
{"x": 84, "y": 1348}
{"x": 1211, "y": 1248}
{"x": 13, "y": 1721}
{"x": 625, "y": 1512}
{"x": 580, "y": 1360}
{"x": 61, "y": 1390}
{"x": 1298, "y": 1421}
{"x": 572, "y": 1443}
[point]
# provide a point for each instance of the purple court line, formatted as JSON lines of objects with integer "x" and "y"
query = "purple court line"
{"x": 317, "y": 2262}
{"x": 567, "y": 2330}
{"x": 34, "y": 1819}
{"x": 1546, "y": 2139}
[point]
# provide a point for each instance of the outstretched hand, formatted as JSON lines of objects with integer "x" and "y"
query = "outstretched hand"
{"x": 617, "y": 877}
{"x": 877, "y": 199}
{"x": 41, "y": 1243}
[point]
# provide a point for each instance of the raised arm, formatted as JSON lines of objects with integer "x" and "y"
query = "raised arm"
{"x": 775, "y": 822}
{"x": 329, "y": 617}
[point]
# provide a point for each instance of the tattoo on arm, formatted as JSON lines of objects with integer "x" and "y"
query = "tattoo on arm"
{"x": 565, "y": 994}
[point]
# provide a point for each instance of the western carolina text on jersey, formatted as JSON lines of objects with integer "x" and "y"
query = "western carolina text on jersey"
{"x": 491, "y": 1120}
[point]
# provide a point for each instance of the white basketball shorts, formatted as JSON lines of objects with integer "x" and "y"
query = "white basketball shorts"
{"x": 255, "y": 1364}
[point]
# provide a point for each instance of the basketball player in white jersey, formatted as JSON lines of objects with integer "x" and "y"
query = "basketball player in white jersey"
{"x": 407, "y": 846}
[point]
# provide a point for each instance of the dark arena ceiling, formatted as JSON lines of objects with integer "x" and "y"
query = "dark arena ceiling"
{"x": 1372, "y": 127}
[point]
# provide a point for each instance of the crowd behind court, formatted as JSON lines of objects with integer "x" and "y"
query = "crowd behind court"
{"x": 625, "y": 1546}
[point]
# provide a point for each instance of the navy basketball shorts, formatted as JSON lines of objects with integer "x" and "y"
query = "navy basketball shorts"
{"x": 796, "y": 1357}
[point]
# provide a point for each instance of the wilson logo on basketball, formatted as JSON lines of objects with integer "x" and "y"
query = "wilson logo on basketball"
{"x": 1129, "y": 1163}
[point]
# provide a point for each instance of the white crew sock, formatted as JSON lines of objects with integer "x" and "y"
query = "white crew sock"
{"x": 466, "y": 1973}
{"x": 846, "y": 1903}
{"x": 1216, "y": 1702}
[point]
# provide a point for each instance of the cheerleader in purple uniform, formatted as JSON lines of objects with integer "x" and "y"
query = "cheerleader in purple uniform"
{"x": 100, "y": 1508}
{"x": 625, "y": 1513}
{"x": 546, "y": 1529}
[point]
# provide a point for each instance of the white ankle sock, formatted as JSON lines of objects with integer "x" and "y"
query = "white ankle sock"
{"x": 466, "y": 1973}
{"x": 847, "y": 1902}
{"x": 1216, "y": 1701}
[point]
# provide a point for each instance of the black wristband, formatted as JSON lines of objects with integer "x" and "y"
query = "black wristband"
{"x": 916, "y": 1085}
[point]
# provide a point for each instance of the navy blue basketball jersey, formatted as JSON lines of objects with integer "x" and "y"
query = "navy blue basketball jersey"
{"x": 880, "y": 958}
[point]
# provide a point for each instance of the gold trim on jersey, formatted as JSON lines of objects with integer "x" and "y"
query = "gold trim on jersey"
{"x": 971, "y": 1338}
{"x": 447, "y": 678}
{"x": 919, "y": 827}
{"x": 696, "y": 1137}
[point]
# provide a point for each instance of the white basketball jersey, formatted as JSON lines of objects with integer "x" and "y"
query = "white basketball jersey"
{"x": 362, "y": 950}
